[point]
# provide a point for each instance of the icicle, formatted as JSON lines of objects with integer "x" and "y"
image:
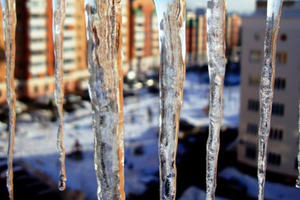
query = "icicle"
{"x": 171, "y": 20}
{"x": 105, "y": 88}
{"x": 298, "y": 179}
{"x": 216, "y": 65}
{"x": 267, "y": 89}
{"x": 9, "y": 27}
{"x": 58, "y": 36}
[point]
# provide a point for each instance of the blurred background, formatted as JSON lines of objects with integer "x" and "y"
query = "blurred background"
{"x": 36, "y": 166}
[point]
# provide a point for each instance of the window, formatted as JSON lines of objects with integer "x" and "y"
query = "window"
{"x": 69, "y": 49}
{"x": 253, "y": 105}
{"x": 66, "y": 86}
{"x": 251, "y": 152}
{"x": 278, "y": 109}
{"x": 279, "y": 83}
{"x": 282, "y": 57}
{"x": 257, "y": 36}
{"x": 255, "y": 56}
{"x": 254, "y": 80}
{"x": 36, "y": 89}
{"x": 283, "y": 37}
{"x": 46, "y": 88}
{"x": 274, "y": 159}
{"x": 276, "y": 134}
{"x": 38, "y": 64}
{"x": 68, "y": 61}
{"x": 68, "y": 38}
{"x": 252, "y": 129}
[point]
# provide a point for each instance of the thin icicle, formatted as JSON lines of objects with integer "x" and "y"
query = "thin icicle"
{"x": 58, "y": 36}
{"x": 9, "y": 27}
{"x": 216, "y": 65}
{"x": 105, "y": 89}
{"x": 267, "y": 89}
{"x": 298, "y": 179}
{"x": 171, "y": 20}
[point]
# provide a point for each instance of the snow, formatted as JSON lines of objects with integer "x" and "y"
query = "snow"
{"x": 196, "y": 99}
{"x": 36, "y": 138}
{"x": 36, "y": 143}
{"x": 272, "y": 190}
{"x": 194, "y": 193}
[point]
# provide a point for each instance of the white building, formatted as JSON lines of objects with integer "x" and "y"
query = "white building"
{"x": 283, "y": 142}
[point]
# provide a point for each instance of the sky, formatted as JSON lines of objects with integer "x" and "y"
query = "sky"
{"x": 237, "y": 6}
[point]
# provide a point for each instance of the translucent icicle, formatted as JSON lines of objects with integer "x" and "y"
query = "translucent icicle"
{"x": 58, "y": 36}
{"x": 9, "y": 27}
{"x": 216, "y": 66}
{"x": 298, "y": 179}
{"x": 267, "y": 89}
{"x": 105, "y": 89}
{"x": 171, "y": 21}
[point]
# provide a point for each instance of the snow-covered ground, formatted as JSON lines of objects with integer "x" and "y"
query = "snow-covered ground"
{"x": 194, "y": 193}
{"x": 272, "y": 190}
{"x": 36, "y": 142}
{"x": 196, "y": 97}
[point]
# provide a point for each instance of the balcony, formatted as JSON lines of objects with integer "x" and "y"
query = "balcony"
{"x": 38, "y": 46}
{"x": 38, "y": 21}
{"x": 36, "y": 34}
{"x": 38, "y": 69}
{"x": 38, "y": 58}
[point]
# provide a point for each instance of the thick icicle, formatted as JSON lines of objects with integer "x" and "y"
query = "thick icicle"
{"x": 298, "y": 179}
{"x": 58, "y": 36}
{"x": 267, "y": 89}
{"x": 9, "y": 26}
{"x": 216, "y": 65}
{"x": 171, "y": 21}
{"x": 105, "y": 88}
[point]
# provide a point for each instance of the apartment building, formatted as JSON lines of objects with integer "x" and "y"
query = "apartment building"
{"x": 144, "y": 41}
{"x": 233, "y": 27}
{"x": 34, "y": 56}
{"x": 196, "y": 37}
{"x": 75, "y": 68}
{"x": 155, "y": 39}
{"x": 191, "y": 38}
{"x": 34, "y": 48}
{"x": 125, "y": 10}
{"x": 201, "y": 40}
{"x": 283, "y": 141}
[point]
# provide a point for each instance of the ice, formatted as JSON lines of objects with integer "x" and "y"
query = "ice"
{"x": 267, "y": 89}
{"x": 58, "y": 36}
{"x": 216, "y": 65}
{"x": 105, "y": 89}
{"x": 171, "y": 21}
{"x": 9, "y": 27}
